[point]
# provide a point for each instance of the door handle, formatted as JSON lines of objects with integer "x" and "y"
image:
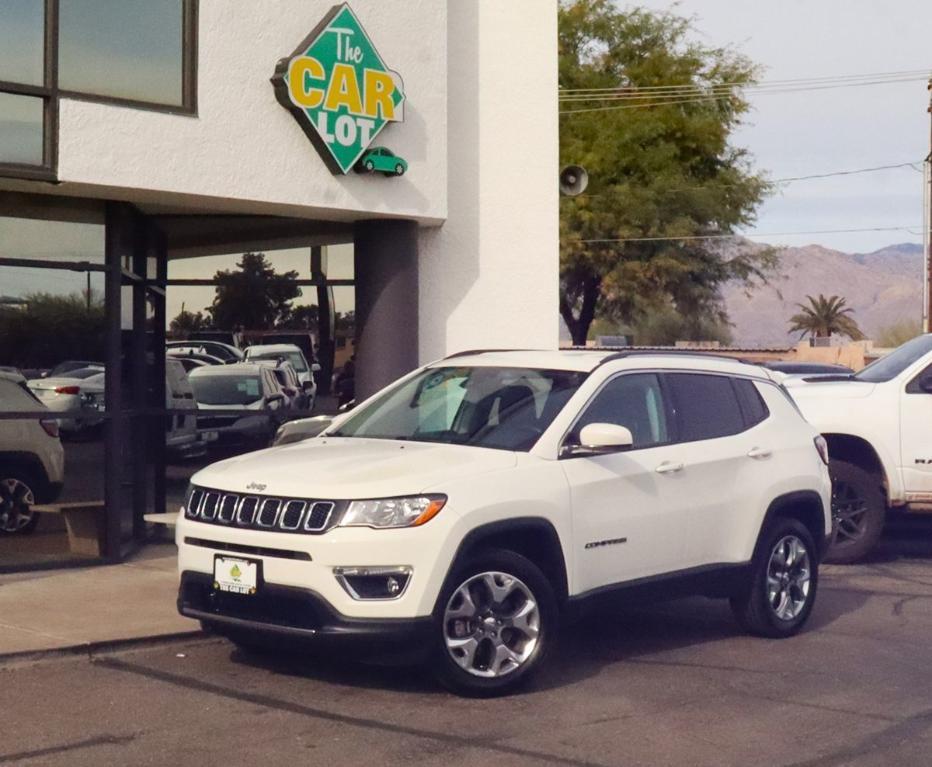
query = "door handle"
{"x": 668, "y": 467}
{"x": 760, "y": 453}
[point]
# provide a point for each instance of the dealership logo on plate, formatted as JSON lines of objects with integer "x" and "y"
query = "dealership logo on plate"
{"x": 340, "y": 90}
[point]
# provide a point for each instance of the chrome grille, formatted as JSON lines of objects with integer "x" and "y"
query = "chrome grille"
{"x": 253, "y": 512}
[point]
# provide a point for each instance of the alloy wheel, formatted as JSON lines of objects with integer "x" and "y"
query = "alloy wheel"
{"x": 16, "y": 501}
{"x": 491, "y": 625}
{"x": 849, "y": 514}
{"x": 788, "y": 578}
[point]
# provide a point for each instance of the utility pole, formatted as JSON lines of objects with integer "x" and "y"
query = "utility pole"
{"x": 927, "y": 229}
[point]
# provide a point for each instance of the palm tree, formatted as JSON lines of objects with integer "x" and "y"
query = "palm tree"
{"x": 824, "y": 316}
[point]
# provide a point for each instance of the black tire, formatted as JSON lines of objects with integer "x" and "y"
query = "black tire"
{"x": 754, "y": 609}
{"x": 23, "y": 479}
{"x": 501, "y": 562}
{"x": 859, "y": 510}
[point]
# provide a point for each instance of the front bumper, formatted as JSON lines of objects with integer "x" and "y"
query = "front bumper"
{"x": 292, "y": 613}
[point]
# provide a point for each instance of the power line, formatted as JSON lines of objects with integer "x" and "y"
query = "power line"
{"x": 762, "y": 84}
{"x": 697, "y": 95}
{"x": 787, "y": 180}
{"x": 742, "y": 234}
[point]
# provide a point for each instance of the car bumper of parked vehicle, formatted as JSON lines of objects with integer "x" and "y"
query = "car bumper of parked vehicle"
{"x": 293, "y": 614}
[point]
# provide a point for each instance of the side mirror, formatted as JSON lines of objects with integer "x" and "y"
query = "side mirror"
{"x": 602, "y": 439}
{"x": 315, "y": 367}
{"x": 925, "y": 383}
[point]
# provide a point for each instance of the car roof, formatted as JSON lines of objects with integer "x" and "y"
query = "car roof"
{"x": 585, "y": 360}
{"x": 236, "y": 369}
{"x": 272, "y": 348}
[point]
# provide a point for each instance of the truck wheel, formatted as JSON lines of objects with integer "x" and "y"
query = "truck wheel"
{"x": 859, "y": 509}
{"x": 784, "y": 579}
{"x": 17, "y": 497}
{"x": 493, "y": 623}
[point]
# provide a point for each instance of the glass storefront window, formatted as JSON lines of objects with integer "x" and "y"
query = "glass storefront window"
{"x": 21, "y": 129}
{"x": 38, "y": 239}
{"x": 22, "y": 41}
{"x": 131, "y": 49}
{"x": 340, "y": 262}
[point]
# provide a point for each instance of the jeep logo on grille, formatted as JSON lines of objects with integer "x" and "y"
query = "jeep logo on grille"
{"x": 256, "y": 486}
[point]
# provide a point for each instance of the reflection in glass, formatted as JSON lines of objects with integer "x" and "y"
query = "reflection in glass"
{"x": 32, "y": 238}
{"x": 22, "y": 41}
{"x": 21, "y": 129}
{"x": 340, "y": 262}
{"x": 131, "y": 49}
{"x": 48, "y": 317}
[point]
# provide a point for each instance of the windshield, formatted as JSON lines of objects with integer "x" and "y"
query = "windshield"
{"x": 504, "y": 408}
{"x": 226, "y": 389}
{"x": 295, "y": 358}
{"x": 889, "y": 367}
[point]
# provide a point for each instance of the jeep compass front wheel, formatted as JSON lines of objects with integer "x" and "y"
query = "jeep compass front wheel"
{"x": 493, "y": 622}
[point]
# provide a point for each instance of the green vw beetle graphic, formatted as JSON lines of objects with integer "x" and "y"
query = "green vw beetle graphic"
{"x": 382, "y": 160}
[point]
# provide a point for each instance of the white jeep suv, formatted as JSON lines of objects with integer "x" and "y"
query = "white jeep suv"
{"x": 472, "y": 506}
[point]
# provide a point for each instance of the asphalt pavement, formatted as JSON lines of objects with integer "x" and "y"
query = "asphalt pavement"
{"x": 671, "y": 684}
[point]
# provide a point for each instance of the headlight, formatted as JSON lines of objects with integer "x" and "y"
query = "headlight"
{"x": 393, "y": 512}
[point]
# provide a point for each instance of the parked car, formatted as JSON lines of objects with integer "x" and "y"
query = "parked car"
{"x": 251, "y": 391}
{"x": 192, "y": 354}
{"x": 65, "y": 368}
{"x": 808, "y": 369}
{"x": 878, "y": 424}
{"x": 32, "y": 462}
{"x": 183, "y": 438}
{"x": 293, "y": 354}
{"x": 296, "y": 397}
{"x": 78, "y": 395}
{"x": 225, "y": 352}
{"x": 189, "y": 363}
{"x": 475, "y": 504}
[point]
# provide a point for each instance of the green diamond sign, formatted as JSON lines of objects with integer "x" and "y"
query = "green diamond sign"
{"x": 341, "y": 93}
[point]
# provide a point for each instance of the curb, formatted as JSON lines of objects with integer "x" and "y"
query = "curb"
{"x": 90, "y": 649}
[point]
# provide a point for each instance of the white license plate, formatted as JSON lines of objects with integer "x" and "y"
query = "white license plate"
{"x": 237, "y": 576}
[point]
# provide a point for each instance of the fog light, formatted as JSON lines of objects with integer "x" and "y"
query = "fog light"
{"x": 373, "y": 582}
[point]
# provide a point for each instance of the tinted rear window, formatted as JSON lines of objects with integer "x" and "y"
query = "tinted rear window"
{"x": 752, "y": 404}
{"x": 706, "y": 406}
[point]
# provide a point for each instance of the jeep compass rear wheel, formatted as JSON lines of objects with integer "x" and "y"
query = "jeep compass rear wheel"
{"x": 16, "y": 501}
{"x": 784, "y": 580}
{"x": 493, "y": 622}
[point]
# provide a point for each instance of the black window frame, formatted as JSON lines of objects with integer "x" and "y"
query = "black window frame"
{"x": 51, "y": 94}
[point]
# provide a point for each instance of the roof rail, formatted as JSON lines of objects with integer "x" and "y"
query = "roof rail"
{"x": 470, "y": 352}
{"x": 620, "y": 352}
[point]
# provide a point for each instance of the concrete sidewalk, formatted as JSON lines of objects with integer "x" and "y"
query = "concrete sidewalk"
{"x": 81, "y": 607}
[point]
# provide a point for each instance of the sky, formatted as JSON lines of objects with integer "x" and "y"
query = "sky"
{"x": 825, "y": 131}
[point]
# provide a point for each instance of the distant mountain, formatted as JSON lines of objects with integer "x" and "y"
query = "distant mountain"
{"x": 883, "y": 287}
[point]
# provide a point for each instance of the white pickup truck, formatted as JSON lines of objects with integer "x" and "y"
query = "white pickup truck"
{"x": 878, "y": 424}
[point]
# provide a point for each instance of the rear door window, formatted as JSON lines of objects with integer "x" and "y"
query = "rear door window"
{"x": 706, "y": 406}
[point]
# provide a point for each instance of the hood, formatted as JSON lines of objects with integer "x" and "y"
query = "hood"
{"x": 815, "y": 390}
{"x": 252, "y": 406}
{"x": 351, "y": 468}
